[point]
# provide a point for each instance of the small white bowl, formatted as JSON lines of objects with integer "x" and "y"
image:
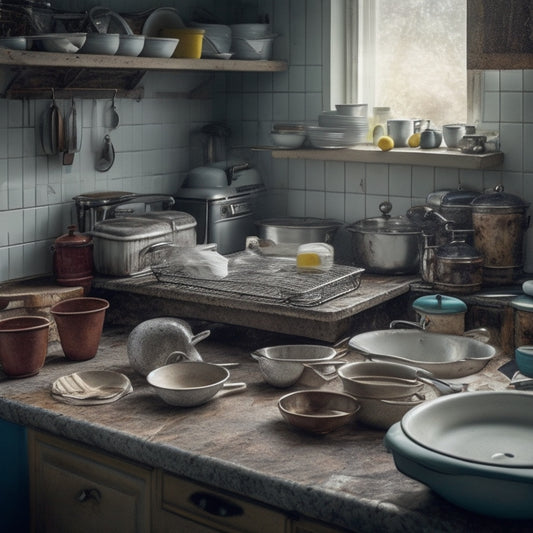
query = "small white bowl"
{"x": 101, "y": 44}
{"x": 130, "y": 45}
{"x": 292, "y": 139}
{"x": 69, "y": 43}
{"x": 159, "y": 47}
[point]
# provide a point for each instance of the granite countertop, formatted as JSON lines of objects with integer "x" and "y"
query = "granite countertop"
{"x": 240, "y": 443}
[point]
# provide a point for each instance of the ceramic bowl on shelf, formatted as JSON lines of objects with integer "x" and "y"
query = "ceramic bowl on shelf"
{"x": 130, "y": 45}
{"x": 101, "y": 44}
{"x": 318, "y": 411}
{"x": 66, "y": 43}
{"x": 288, "y": 139}
{"x": 159, "y": 47}
{"x": 15, "y": 43}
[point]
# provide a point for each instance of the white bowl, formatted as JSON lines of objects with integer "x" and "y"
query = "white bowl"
{"x": 254, "y": 49}
{"x": 130, "y": 45}
{"x": 69, "y": 43}
{"x": 250, "y": 31}
{"x": 14, "y": 43}
{"x": 352, "y": 110}
{"x": 159, "y": 47}
{"x": 101, "y": 44}
{"x": 288, "y": 139}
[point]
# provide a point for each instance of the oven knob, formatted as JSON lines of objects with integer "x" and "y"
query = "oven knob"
{"x": 225, "y": 211}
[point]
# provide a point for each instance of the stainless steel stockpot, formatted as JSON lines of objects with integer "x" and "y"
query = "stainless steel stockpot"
{"x": 386, "y": 245}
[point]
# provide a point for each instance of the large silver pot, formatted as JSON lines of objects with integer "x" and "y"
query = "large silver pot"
{"x": 294, "y": 230}
{"x": 386, "y": 245}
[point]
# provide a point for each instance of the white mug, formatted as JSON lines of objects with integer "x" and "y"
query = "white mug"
{"x": 453, "y": 133}
{"x": 400, "y": 130}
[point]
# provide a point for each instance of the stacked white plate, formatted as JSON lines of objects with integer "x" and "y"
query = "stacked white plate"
{"x": 335, "y": 130}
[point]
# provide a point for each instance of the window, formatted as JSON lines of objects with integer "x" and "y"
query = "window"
{"x": 409, "y": 56}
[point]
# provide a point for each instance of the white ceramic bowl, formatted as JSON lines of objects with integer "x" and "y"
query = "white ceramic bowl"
{"x": 14, "y": 43}
{"x": 252, "y": 49}
{"x": 101, "y": 44}
{"x": 69, "y": 43}
{"x": 159, "y": 47}
{"x": 352, "y": 110}
{"x": 287, "y": 139}
{"x": 250, "y": 31}
{"x": 130, "y": 45}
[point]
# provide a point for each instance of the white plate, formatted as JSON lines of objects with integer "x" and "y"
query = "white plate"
{"x": 164, "y": 17}
{"x": 91, "y": 387}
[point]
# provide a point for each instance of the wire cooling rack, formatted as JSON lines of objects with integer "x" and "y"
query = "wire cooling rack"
{"x": 268, "y": 279}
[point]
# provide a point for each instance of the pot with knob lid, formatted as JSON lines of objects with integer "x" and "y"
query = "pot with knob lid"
{"x": 500, "y": 221}
{"x": 386, "y": 244}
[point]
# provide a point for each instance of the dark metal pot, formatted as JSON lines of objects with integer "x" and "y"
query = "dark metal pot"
{"x": 386, "y": 245}
{"x": 500, "y": 221}
{"x": 458, "y": 268}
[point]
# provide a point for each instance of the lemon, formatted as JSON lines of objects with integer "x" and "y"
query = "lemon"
{"x": 386, "y": 143}
{"x": 414, "y": 140}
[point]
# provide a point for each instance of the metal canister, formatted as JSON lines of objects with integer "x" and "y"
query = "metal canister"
{"x": 500, "y": 221}
{"x": 73, "y": 260}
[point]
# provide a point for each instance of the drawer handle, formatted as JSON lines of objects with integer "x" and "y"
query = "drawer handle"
{"x": 86, "y": 495}
{"x": 215, "y": 505}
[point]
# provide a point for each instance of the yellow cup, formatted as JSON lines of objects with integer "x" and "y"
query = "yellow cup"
{"x": 190, "y": 41}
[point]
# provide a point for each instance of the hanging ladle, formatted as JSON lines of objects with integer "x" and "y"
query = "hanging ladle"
{"x": 115, "y": 119}
{"x": 107, "y": 157}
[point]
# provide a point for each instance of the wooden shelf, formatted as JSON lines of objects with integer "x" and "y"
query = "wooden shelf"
{"x": 16, "y": 58}
{"x": 439, "y": 157}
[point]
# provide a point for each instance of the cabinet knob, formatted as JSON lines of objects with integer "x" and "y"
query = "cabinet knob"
{"x": 89, "y": 494}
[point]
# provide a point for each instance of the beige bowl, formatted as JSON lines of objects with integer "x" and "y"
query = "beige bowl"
{"x": 318, "y": 411}
{"x": 190, "y": 383}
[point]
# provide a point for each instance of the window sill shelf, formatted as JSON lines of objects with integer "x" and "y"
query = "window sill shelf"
{"x": 438, "y": 157}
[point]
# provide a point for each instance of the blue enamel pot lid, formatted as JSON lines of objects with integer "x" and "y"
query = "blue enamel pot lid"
{"x": 438, "y": 304}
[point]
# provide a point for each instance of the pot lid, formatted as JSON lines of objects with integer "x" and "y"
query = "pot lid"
{"x": 523, "y": 303}
{"x": 498, "y": 199}
{"x": 72, "y": 238}
{"x": 458, "y": 250}
{"x": 131, "y": 228}
{"x": 459, "y": 197}
{"x": 385, "y": 223}
{"x": 102, "y": 197}
{"x": 438, "y": 304}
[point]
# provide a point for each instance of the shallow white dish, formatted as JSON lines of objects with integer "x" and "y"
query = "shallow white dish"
{"x": 159, "y": 47}
{"x": 160, "y": 19}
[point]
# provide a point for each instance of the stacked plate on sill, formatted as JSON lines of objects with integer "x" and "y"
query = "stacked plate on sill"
{"x": 338, "y": 130}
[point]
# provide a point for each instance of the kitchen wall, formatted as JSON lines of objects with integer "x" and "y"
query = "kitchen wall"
{"x": 158, "y": 140}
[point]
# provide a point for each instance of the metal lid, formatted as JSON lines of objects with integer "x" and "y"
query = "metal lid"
{"x": 303, "y": 222}
{"x": 98, "y": 198}
{"x": 459, "y": 197}
{"x": 72, "y": 239}
{"x": 458, "y": 250}
{"x": 438, "y": 304}
{"x": 522, "y": 303}
{"x": 131, "y": 228}
{"x": 385, "y": 223}
{"x": 498, "y": 199}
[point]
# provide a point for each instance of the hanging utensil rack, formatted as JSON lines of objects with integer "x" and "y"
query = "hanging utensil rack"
{"x": 268, "y": 280}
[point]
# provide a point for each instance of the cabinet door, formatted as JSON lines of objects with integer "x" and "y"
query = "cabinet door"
{"x": 73, "y": 488}
{"x": 184, "y": 505}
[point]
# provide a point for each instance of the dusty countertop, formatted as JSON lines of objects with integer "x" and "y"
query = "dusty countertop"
{"x": 240, "y": 442}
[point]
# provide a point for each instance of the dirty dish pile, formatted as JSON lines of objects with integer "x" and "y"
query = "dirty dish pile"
{"x": 190, "y": 383}
{"x": 318, "y": 411}
{"x": 282, "y": 366}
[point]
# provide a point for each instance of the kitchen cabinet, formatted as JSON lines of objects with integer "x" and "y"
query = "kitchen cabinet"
{"x": 499, "y": 34}
{"x": 74, "y": 488}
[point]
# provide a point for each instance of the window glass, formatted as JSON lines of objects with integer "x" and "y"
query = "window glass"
{"x": 412, "y": 58}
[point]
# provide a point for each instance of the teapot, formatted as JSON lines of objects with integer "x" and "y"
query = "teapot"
{"x": 159, "y": 341}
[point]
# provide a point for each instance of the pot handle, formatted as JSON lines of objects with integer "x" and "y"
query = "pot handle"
{"x": 200, "y": 336}
{"x": 151, "y": 248}
{"x": 175, "y": 357}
